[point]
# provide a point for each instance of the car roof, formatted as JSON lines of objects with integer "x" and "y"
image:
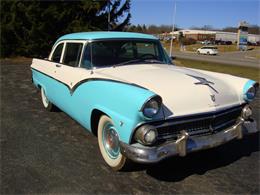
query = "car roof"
{"x": 104, "y": 35}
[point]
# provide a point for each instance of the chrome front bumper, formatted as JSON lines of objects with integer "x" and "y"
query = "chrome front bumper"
{"x": 185, "y": 144}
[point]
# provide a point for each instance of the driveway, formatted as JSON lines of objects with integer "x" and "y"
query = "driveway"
{"x": 48, "y": 152}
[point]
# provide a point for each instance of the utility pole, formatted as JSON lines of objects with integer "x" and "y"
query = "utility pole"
{"x": 174, "y": 15}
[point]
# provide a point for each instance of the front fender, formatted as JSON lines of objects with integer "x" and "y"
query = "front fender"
{"x": 120, "y": 101}
{"x": 123, "y": 123}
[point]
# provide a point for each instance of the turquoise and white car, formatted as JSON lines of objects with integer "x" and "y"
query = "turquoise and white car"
{"x": 124, "y": 88}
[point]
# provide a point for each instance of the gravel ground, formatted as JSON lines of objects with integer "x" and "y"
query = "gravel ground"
{"x": 48, "y": 152}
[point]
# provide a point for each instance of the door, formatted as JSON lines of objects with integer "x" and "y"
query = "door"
{"x": 70, "y": 73}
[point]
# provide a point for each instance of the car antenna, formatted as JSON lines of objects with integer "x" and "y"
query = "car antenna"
{"x": 173, "y": 24}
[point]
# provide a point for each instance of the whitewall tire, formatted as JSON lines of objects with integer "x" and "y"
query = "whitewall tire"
{"x": 45, "y": 101}
{"x": 108, "y": 142}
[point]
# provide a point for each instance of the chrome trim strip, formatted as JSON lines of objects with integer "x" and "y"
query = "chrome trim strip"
{"x": 155, "y": 96}
{"x": 73, "y": 89}
{"x": 191, "y": 133}
{"x": 51, "y": 76}
{"x": 181, "y": 122}
{"x": 103, "y": 79}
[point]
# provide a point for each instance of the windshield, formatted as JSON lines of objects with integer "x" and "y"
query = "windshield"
{"x": 120, "y": 52}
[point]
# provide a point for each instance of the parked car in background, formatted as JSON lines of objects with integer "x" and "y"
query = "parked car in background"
{"x": 208, "y": 50}
{"x": 124, "y": 88}
{"x": 206, "y": 42}
{"x": 220, "y": 42}
{"x": 252, "y": 43}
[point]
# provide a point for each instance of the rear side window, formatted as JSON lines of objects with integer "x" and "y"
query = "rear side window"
{"x": 72, "y": 54}
{"x": 57, "y": 53}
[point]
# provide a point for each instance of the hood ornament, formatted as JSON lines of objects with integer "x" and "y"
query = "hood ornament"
{"x": 203, "y": 81}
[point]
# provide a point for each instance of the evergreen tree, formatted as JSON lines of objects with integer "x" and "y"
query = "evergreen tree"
{"x": 29, "y": 28}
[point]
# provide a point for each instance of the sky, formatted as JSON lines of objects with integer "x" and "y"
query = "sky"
{"x": 190, "y": 13}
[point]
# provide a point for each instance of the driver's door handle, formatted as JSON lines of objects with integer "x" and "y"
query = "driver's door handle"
{"x": 58, "y": 65}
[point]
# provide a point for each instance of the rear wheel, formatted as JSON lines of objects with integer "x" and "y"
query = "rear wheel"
{"x": 45, "y": 101}
{"x": 208, "y": 53}
{"x": 108, "y": 142}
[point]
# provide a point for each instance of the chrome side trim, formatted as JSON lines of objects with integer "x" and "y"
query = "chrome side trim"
{"x": 73, "y": 89}
{"x": 103, "y": 79}
{"x": 51, "y": 77}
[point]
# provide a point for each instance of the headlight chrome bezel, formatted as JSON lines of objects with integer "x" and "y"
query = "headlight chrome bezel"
{"x": 142, "y": 132}
{"x": 151, "y": 102}
{"x": 246, "y": 112}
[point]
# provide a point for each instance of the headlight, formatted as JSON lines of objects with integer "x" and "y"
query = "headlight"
{"x": 152, "y": 106}
{"x": 146, "y": 135}
{"x": 246, "y": 112}
{"x": 250, "y": 90}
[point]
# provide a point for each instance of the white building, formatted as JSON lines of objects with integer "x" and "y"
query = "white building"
{"x": 201, "y": 35}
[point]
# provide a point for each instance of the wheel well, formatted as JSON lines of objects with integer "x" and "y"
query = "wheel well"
{"x": 95, "y": 116}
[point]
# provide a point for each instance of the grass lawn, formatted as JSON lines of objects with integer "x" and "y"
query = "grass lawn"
{"x": 247, "y": 72}
{"x": 255, "y": 54}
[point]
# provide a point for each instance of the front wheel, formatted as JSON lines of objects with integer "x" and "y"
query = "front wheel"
{"x": 108, "y": 142}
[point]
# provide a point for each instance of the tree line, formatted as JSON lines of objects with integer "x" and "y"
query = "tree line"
{"x": 159, "y": 29}
{"x": 151, "y": 29}
{"x": 29, "y": 28}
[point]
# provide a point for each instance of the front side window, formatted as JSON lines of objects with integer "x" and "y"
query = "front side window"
{"x": 57, "y": 53}
{"x": 72, "y": 54}
{"x": 114, "y": 52}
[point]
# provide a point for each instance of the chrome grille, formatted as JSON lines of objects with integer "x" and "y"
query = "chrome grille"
{"x": 198, "y": 124}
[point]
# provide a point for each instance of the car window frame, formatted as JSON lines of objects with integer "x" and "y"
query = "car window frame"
{"x": 84, "y": 42}
{"x": 82, "y": 50}
{"x": 54, "y": 48}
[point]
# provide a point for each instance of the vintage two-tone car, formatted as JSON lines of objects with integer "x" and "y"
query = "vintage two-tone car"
{"x": 124, "y": 88}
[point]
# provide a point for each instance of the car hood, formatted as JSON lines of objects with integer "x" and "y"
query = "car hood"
{"x": 184, "y": 91}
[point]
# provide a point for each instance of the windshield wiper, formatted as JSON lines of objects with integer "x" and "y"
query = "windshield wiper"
{"x": 154, "y": 61}
{"x": 139, "y": 60}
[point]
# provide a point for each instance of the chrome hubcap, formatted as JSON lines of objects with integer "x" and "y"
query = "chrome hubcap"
{"x": 110, "y": 141}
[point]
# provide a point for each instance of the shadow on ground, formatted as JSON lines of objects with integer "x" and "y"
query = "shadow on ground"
{"x": 178, "y": 168}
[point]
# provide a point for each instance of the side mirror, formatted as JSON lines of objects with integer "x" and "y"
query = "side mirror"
{"x": 173, "y": 57}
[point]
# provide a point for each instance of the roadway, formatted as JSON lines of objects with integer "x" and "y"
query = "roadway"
{"x": 238, "y": 58}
